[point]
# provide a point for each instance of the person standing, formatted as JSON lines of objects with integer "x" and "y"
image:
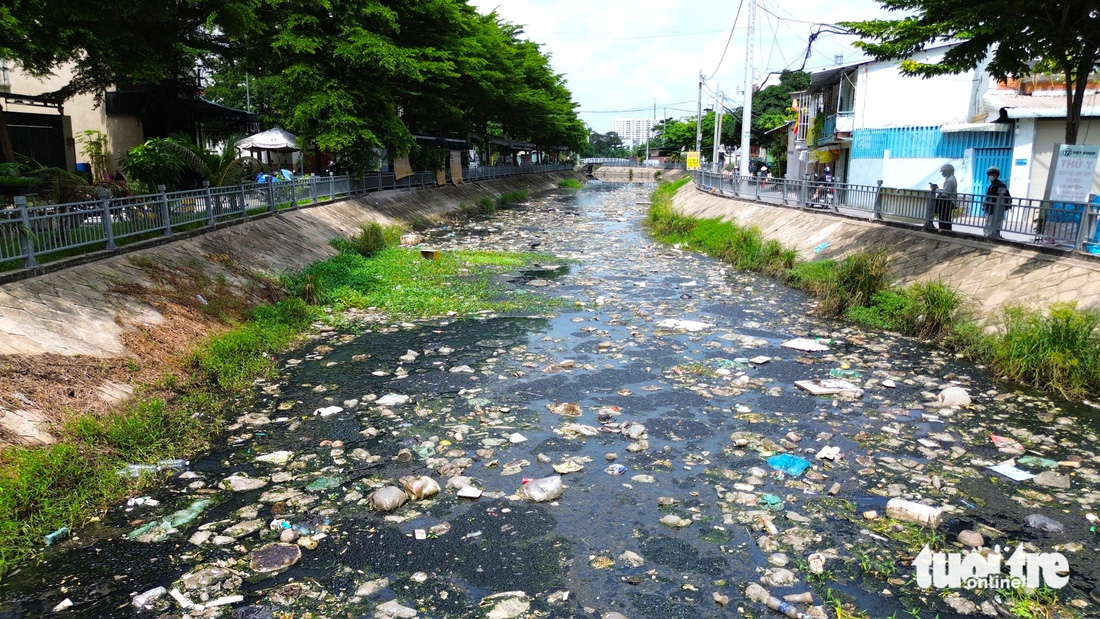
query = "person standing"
{"x": 947, "y": 196}
{"x": 997, "y": 201}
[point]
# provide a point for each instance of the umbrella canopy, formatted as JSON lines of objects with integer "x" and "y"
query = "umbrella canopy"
{"x": 275, "y": 139}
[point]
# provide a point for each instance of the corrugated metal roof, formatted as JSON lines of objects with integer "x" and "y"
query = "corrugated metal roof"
{"x": 1009, "y": 105}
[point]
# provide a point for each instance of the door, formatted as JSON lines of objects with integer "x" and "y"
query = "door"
{"x": 984, "y": 158}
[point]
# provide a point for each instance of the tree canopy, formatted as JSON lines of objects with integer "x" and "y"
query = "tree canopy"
{"x": 1018, "y": 37}
{"x": 347, "y": 76}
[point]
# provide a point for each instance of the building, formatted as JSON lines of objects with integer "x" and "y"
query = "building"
{"x": 633, "y": 131}
{"x": 870, "y": 123}
{"x": 127, "y": 117}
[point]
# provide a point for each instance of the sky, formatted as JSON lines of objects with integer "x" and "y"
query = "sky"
{"x": 620, "y": 56}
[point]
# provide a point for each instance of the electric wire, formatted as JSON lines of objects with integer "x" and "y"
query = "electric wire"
{"x": 736, "y": 17}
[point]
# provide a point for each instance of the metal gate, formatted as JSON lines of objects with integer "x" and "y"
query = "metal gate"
{"x": 984, "y": 158}
{"x": 38, "y": 136}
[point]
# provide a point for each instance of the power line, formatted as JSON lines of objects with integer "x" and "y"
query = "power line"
{"x": 730, "y": 38}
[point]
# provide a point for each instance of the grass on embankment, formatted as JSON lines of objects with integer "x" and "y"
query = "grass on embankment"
{"x": 570, "y": 183}
{"x": 1056, "y": 351}
{"x": 70, "y": 482}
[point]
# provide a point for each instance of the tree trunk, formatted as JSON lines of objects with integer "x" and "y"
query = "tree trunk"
{"x": 1077, "y": 80}
{"x": 6, "y": 151}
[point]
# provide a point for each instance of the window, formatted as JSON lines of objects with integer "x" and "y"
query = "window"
{"x": 123, "y": 103}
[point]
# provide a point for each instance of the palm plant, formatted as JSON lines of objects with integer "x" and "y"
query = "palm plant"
{"x": 220, "y": 169}
{"x": 58, "y": 186}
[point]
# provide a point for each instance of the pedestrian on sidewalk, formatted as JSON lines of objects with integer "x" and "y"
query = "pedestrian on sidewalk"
{"x": 947, "y": 196}
{"x": 997, "y": 201}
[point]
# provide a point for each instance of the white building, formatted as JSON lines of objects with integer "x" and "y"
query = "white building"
{"x": 868, "y": 122}
{"x": 632, "y": 131}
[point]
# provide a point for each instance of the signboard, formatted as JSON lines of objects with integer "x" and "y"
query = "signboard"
{"x": 1071, "y": 173}
{"x": 692, "y": 160}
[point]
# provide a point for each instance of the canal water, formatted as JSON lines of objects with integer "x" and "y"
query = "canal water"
{"x": 659, "y": 387}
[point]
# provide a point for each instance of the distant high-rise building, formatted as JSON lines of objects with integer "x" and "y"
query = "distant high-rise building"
{"x": 632, "y": 131}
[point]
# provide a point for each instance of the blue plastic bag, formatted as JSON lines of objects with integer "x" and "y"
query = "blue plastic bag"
{"x": 791, "y": 465}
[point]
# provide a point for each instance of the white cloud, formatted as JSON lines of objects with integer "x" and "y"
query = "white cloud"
{"x": 621, "y": 54}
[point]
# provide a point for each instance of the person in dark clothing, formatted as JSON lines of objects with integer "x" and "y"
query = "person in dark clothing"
{"x": 995, "y": 195}
{"x": 946, "y": 197}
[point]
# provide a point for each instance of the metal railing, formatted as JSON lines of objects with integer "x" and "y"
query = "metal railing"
{"x": 1072, "y": 227}
{"x": 628, "y": 163}
{"x": 30, "y": 232}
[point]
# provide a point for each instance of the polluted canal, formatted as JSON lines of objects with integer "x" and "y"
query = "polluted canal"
{"x": 643, "y": 449}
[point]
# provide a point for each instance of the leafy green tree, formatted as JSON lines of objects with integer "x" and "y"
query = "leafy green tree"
{"x": 156, "y": 162}
{"x": 1019, "y": 37}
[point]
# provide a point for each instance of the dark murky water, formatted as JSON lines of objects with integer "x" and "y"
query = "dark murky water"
{"x": 605, "y": 353}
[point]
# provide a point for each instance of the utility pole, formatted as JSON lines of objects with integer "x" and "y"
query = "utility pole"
{"x": 746, "y": 109}
{"x": 699, "y": 119}
{"x": 718, "y": 121}
{"x": 717, "y": 136}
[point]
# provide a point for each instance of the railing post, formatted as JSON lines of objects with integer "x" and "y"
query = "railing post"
{"x": 930, "y": 209}
{"x": 332, "y": 188}
{"x": 271, "y": 205}
{"x": 293, "y": 194}
{"x": 803, "y": 192}
{"x": 26, "y": 239}
{"x": 165, "y": 212}
{"x": 209, "y": 199}
{"x": 108, "y": 224}
{"x": 758, "y": 179}
{"x": 1083, "y": 227}
{"x": 241, "y": 197}
{"x": 313, "y": 188}
{"x": 878, "y": 202}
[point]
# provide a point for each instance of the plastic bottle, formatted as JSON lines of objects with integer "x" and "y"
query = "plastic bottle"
{"x": 51, "y": 538}
{"x": 924, "y": 515}
{"x": 759, "y": 594}
{"x": 823, "y": 340}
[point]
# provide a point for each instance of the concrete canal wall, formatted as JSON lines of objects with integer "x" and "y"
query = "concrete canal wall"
{"x": 73, "y": 311}
{"x": 990, "y": 273}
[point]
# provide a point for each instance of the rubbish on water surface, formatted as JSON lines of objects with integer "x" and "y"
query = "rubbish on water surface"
{"x": 388, "y": 498}
{"x": 274, "y": 557}
{"x": 1036, "y": 462}
{"x": 805, "y": 345}
{"x": 543, "y": 489}
{"x": 828, "y": 453}
{"x": 328, "y": 411}
{"x": 685, "y": 325}
{"x": 615, "y": 469}
{"x": 840, "y": 373}
{"x": 816, "y": 562}
{"x": 1009, "y": 469}
{"x": 760, "y": 595}
{"x": 137, "y": 470}
{"x": 420, "y": 487}
{"x": 953, "y": 396}
{"x": 829, "y": 386}
{"x": 145, "y": 601}
{"x": 770, "y": 502}
{"x": 917, "y": 513}
{"x": 251, "y": 612}
{"x": 411, "y": 239}
{"x": 789, "y": 464}
{"x": 1043, "y": 523}
{"x": 158, "y": 530}
{"x": 393, "y": 399}
{"x": 52, "y": 538}
{"x": 1004, "y": 442}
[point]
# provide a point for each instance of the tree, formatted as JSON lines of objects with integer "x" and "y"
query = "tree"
{"x": 604, "y": 145}
{"x": 1020, "y": 37}
{"x": 153, "y": 46}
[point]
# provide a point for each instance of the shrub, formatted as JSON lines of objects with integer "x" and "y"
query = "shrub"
{"x": 888, "y": 310}
{"x": 373, "y": 238}
{"x": 1057, "y": 352}
{"x": 570, "y": 183}
{"x": 934, "y": 310}
{"x": 858, "y": 277}
{"x": 487, "y": 205}
{"x": 513, "y": 197}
